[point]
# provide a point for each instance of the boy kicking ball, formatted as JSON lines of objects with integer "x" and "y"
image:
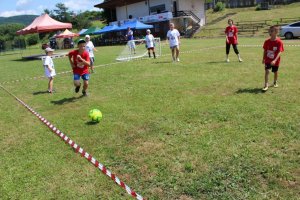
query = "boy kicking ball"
{"x": 273, "y": 47}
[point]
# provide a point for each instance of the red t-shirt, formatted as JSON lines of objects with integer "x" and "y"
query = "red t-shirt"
{"x": 272, "y": 49}
{"x": 80, "y": 68}
{"x": 231, "y": 32}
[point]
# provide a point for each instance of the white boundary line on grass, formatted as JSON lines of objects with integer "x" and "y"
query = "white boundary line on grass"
{"x": 104, "y": 65}
{"x": 144, "y": 58}
{"x": 78, "y": 149}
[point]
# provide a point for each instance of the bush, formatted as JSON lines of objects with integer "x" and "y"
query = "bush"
{"x": 219, "y": 7}
{"x": 33, "y": 39}
{"x": 258, "y": 7}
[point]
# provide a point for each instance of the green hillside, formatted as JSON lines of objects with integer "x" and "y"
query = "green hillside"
{"x": 217, "y": 21}
{"x": 20, "y": 19}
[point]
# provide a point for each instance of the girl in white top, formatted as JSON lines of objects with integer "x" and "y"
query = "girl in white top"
{"x": 150, "y": 43}
{"x": 49, "y": 68}
{"x": 174, "y": 40}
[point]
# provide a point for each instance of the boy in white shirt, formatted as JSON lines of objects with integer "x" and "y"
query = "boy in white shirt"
{"x": 150, "y": 43}
{"x": 49, "y": 68}
{"x": 90, "y": 48}
{"x": 174, "y": 40}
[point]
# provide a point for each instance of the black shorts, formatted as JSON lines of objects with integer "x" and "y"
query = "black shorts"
{"x": 269, "y": 66}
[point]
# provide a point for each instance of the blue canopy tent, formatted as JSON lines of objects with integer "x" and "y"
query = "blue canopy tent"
{"x": 106, "y": 29}
{"x": 134, "y": 25}
{"x": 82, "y": 31}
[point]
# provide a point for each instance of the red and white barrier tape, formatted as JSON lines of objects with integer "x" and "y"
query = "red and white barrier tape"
{"x": 78, "y": 149}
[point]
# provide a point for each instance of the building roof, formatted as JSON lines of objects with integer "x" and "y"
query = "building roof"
{"x": 116, "y": 3}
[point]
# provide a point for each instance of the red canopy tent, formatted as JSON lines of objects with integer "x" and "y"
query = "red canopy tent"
{"x": 43, "y": 23}
{"x": 67, "y": 34}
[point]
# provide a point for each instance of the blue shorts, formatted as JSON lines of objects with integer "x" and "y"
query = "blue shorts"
{"x": 84, "y": 77}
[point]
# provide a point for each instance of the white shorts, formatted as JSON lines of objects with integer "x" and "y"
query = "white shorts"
{"x": 49, "y": 74}
{"x": 131, "y": 44}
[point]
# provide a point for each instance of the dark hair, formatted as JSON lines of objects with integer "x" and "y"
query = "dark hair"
{"x": 275, "y": 27}
{"x": 81, "y": 41}
{"x": 230, "y": 20}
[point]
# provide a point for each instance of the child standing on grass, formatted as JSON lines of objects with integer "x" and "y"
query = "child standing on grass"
{"x": 90, "y": 48}
{"x": 80, "y": 63}
{"x": 49, "y": 68}
{"x": 232, "y": 39}
{"x": 150, "y": 43}
{"x": 273, "y": 47}
{"x": 173, "y": 36}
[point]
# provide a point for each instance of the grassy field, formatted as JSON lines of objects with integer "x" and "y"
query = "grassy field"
{"x": 217, "y": 21}
{"x": 198, "y": 129}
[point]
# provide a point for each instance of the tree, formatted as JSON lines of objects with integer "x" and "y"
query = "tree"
{"x": 62, "y": 13}
{"x": 80, "y": 21}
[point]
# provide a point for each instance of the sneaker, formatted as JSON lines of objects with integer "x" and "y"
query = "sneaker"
{"x": 50, "y": 92}
{"x": 227, "y": 60}
{"x": 84, "y": 93}
{"x": 265, "y": 88}
{"x": 240, "y": 60}
{"x": 275, "y": 85}
{"x": 77, "y": 88}
{"x": 178, "y": 60}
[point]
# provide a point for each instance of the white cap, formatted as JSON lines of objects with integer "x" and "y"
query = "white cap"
{"x": 148, "y": 30}
{"x": 87, "y": 36}
{"x": 48, "y": 49}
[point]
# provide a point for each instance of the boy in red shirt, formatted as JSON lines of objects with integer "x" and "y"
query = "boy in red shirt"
{"x": 80, "y": 63}
{"x": 273, "y": 48}
{"x": 231, "y": 39}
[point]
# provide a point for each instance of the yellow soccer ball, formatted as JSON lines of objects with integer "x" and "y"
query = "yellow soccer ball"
{"x": 95, "y": 115}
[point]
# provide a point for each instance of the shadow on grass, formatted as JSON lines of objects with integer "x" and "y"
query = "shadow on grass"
{"x": 23, "y": 60}
{"x": 215, "y": 62}
{"x": 250, "y": 90}
{"x": 66, "y": 100}
{"x": 40, "y": 92}
{"x": 90, "y": 123}
{"x": 162, "y": 62}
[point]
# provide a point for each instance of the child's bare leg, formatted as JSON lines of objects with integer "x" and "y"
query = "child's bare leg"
{"x": 177, "y": 53}
{"x": 275, "y": 77}
{"x": 173, "y": 54}
{"x": 85, "y": 85}
{"x": 76, "y": 83}
{"x": 50, "y": 84}
{"x": 267, "y": 72}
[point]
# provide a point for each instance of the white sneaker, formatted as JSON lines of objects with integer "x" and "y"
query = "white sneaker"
{"x": 227, "y": 60}
{"x": 178, "y": 60}
{"x": 265, "y": 88}
{"x": 240, "y": 60}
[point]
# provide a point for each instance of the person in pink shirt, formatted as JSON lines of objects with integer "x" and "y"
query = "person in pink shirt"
{"x": 273, "y": 47}
{"x": 232, "y": 39}
{"x": 80, "y": 63}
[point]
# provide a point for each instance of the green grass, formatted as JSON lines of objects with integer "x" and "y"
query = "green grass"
{"x": 198, "y": 129}
{"x": 217, "y": 21}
